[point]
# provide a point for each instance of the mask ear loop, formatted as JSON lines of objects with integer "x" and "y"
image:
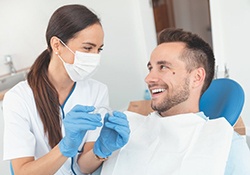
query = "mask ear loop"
{"x": 66, "y": 46}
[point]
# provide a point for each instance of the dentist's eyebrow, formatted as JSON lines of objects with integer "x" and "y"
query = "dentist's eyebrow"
{"x": 92, "y": 44}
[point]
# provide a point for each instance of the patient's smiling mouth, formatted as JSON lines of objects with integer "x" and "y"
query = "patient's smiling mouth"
{"x": 157, "y": 91}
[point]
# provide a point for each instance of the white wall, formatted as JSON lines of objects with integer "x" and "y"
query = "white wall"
{"x": 129, "y": 38}
{"x": 230, "y": 30}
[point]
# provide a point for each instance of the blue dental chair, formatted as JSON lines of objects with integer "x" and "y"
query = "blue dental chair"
{"x": 224, "y": 98}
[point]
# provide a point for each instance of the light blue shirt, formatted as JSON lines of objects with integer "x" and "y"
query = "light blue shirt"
{"x": 238, "y": 162}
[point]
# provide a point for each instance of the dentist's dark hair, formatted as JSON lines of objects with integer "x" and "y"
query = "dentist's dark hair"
{"x": 65, "y": 23}
{"x": 197, "y": 53}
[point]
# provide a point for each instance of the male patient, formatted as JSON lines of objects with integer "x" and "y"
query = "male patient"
{"x": 177, "y": 138}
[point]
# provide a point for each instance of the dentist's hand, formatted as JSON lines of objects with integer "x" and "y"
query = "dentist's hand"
{"x": 114, "y": 134}
{"x": 76, "y": 123}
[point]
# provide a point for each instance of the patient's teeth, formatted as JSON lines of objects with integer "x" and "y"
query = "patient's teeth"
{"x": 157, "y": 90}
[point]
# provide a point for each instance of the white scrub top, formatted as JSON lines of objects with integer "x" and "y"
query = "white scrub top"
{"x": 23, "y": 129}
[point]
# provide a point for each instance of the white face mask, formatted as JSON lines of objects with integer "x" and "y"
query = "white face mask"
{"x": 84, "y": 66}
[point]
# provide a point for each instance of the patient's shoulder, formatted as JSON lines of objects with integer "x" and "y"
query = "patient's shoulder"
{"x": 135, "y": 119}
{"x": 239, "y": 156}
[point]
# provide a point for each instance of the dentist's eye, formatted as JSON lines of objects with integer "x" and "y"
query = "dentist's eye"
{"x": 88, "y": 48}
{"x": 100, "y": 49}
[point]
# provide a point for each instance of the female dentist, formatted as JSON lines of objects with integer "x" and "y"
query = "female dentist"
{"x": 50, "y": 126}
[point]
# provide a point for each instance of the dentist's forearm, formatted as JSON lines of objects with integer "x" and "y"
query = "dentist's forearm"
{"x": 46, "y": 165}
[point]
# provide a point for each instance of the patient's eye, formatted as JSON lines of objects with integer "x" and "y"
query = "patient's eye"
{"x": 150, "y": 68}
{"x": 163, "y": 67}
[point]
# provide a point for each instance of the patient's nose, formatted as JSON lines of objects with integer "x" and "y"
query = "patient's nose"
{"x": 151, "y": 77}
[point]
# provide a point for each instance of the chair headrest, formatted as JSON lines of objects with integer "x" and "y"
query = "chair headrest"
{"x": 224, "y": 98}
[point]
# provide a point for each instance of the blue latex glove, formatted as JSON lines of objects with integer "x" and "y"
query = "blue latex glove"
{"x": 76, "y": 123}
{"x": 114, "y": 134}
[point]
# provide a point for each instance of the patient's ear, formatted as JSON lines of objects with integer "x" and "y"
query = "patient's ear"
{"x": 198, "y": 77}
